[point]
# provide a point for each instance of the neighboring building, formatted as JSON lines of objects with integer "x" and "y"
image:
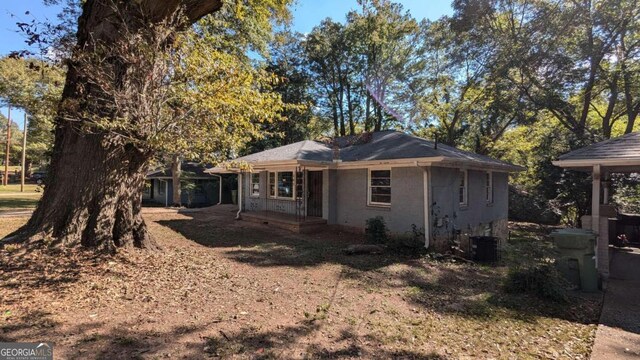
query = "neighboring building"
{"x": 199, "y": 189}
{"x": 619, "y": 155}
{"x": 407, "y": 180}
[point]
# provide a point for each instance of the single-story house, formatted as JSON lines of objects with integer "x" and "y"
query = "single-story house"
{"x": 198, "y": 189}
{"x": 409, "y": 181}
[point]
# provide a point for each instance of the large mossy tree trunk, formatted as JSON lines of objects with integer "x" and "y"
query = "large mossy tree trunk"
{"x": 93, "y": 191}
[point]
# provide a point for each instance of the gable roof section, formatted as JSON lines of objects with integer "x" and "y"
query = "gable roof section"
{"x": 377, "y": 146}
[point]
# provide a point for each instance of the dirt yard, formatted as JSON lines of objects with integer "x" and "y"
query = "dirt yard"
{"x": 231, "y": 289}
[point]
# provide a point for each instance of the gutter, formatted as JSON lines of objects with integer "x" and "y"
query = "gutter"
{"x": 443, "y": 161}
{"x": 426, "y": 176}
{"x": 634, "y": 161}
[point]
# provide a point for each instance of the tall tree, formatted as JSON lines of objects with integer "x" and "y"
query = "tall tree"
{"x": 391, "y": 56}
{"x": 329, "y": 60}
{"x": 34, "y": 86}
{"x": 126, "y": 96}
{"x": 297, "y": 121}
{"x": 567, "y": 58}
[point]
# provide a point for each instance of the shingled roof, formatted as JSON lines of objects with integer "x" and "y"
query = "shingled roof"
{"x": 623, "y": 147}
{"x": 621, "y": 154}
{"x": 308, "y": 150}
{"x": 383, "y": 145}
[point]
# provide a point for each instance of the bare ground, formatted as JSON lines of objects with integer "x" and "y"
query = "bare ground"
{"x": 229, "y": 289}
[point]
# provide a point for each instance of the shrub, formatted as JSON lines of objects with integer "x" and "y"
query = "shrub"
{"x": 377, "y": 231}
{"x": 530, "y": 255}
{"x": 411, "y": 243}
{"x": 542, "y": 280}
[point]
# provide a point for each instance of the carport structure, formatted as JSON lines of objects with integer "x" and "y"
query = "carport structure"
{"x": 617, "y": 155}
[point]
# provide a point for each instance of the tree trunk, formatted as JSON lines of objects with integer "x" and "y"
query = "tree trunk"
{"x": 95, "y": 181}
{"x": 176, "y": 172}
{"x": 352, "y": 126}
{"x": 367, "y": 113}
{"x": 341, "y": 108}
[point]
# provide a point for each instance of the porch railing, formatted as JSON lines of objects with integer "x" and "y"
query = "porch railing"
{"x": 272, "y": 207}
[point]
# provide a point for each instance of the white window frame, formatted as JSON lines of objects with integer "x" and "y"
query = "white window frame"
{"x": 464, "y": 187}
{"x": 369, "y": 187}
{"x": 275, "y": 177}
{"x": 269, "y": 183}
{"x": 252, "y": 185}
{"x": 489, "y": 187}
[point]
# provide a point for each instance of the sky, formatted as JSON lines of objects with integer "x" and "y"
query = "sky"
{"x": 306, "y": 15}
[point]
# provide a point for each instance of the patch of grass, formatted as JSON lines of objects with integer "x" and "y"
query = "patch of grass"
{"x": 15, "y": 188}
{"x": 321, "y": 313}
{"x": 23, "y": 202}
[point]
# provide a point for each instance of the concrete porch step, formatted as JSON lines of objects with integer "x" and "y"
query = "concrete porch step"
{"x": 286, "y": 221}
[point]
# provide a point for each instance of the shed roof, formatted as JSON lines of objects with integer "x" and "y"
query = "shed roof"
{"x": 373, "y": 146}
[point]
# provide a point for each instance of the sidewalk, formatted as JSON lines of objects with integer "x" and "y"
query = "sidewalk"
{"x": 618, "y": 334}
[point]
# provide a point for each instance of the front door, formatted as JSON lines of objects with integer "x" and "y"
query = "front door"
{"x": 314, "y": 193}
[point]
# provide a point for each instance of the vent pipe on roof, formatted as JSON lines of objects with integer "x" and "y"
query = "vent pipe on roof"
{"x": 435, "y": 144}
{"x": 336, "y": 152}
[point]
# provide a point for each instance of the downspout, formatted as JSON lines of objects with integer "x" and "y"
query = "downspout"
{"x": 239, "y": 195}
{"x": 426, "y": 175}
{"x": 220, "y": 188}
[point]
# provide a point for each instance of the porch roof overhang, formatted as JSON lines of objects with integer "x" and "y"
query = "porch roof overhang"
{"x": 442, "y": 161}
{"x": 611, "y": 165}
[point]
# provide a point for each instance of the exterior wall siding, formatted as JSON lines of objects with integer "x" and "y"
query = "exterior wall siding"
{"x": 352, "y": 210}
{"x": 478, "y": 217}
{"x": 345, "y": 195}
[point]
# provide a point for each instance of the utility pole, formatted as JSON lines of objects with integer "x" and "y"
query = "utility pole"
{"x": 24, "y": 153}
{"x": 5, "y": 178}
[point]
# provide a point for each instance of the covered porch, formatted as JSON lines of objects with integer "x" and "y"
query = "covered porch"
{"x": 292, "y": 195}
{"x": 619, "y": 155}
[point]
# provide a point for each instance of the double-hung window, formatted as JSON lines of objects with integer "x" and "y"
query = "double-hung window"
{"x": 463, "y": 189}
{"x": 489, "y": 187}
{"x": 380, "y": 187}
{"x": 255, "y": 185}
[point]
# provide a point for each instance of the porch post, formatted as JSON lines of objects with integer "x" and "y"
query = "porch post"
{"x": 595, "y": 200}
{"x": 602, "y": 242}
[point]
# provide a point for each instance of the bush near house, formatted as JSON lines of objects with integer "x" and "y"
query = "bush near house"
{"x": 531, "y": 266}
{"x": 376, "y": 230}
{"x": 409, "y": 243}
